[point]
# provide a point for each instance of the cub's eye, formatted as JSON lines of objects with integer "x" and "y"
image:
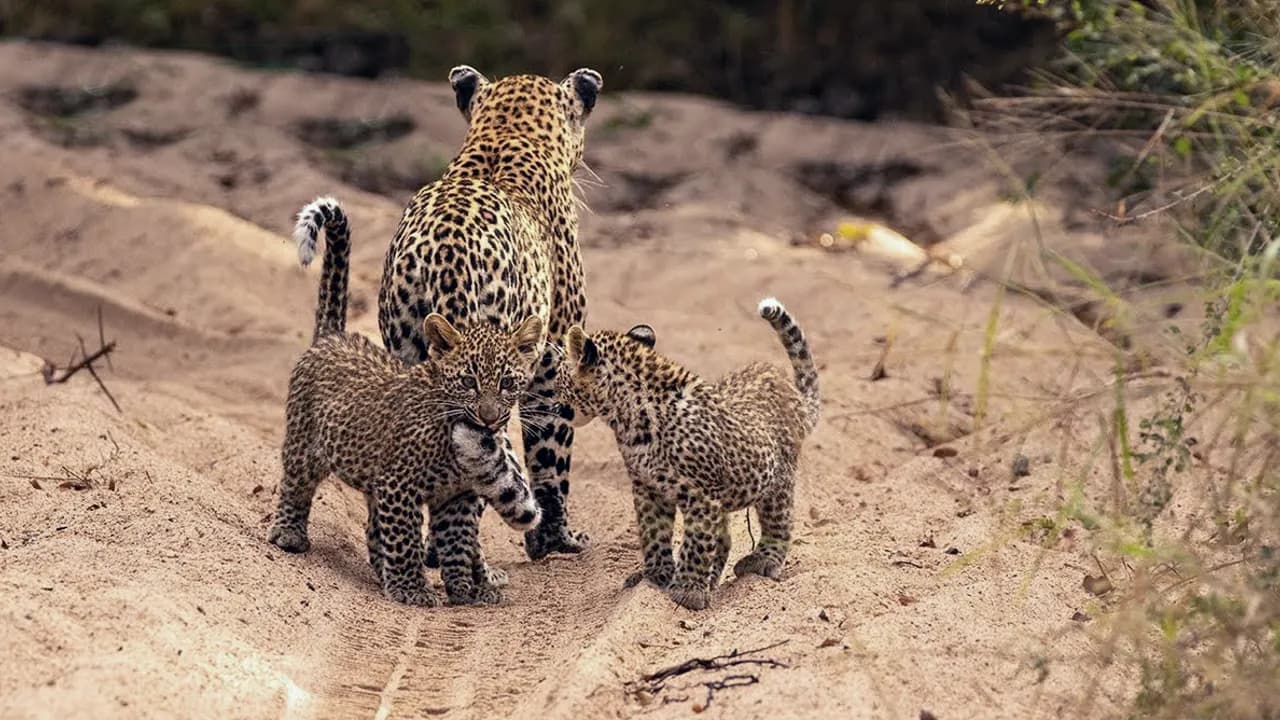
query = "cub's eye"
{"x": 468, "y": 382}
{"x": 507, "y": 383}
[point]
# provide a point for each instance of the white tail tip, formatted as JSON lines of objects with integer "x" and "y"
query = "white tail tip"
{"x": 769, "y": 306}
{"x": 306, "y": 231}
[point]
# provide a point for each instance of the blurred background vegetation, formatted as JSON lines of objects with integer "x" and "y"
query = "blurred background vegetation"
{"x": 1184, "y": 97}
{"x": 862, "y": 60}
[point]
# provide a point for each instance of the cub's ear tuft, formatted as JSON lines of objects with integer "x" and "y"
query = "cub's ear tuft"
{"x": 441, "y": 334}
{"x": 528, "y": 334}
{"x": 643, "y": 334}
{"x": 581, "y": 349}
{"x": 465, "y": 81}
{"x": 586, "y": 84}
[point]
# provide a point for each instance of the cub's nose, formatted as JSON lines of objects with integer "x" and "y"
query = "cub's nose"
{"x": 491, "y": 415}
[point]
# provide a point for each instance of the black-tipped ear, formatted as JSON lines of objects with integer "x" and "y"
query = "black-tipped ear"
{"x": 590, "y": 353}
{"x": 643, "y": 334}
{"x": 586, "y": 84}
{"x": 465, "y": 81}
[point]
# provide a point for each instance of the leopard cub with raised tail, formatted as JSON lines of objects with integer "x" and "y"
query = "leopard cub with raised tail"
{"x": 405, "y": 435}
{"x": 701, "y": 447}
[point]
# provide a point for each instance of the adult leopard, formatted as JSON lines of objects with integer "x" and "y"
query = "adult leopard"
{"x": 495, "y": 240}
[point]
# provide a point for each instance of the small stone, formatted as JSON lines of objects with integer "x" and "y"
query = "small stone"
{"x": 1021, "y": 465}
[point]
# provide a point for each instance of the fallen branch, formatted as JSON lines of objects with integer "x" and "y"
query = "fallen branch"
{"x": 655, "y": 682}
{"x": 87, "y": 359}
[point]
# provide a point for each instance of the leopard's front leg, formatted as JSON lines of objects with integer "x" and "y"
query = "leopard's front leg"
{"x": 655, "y": 518}
{"x": 703, "y": 519}
{"x": 398, "y": 514}
{"x": 455, "y": 533}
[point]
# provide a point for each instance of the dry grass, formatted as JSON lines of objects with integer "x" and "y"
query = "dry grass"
{"x": 1184, "y": 97}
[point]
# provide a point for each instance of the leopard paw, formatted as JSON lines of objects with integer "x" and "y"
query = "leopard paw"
{"x": 424, "y": 595}
{"x": 758, "y": 563}
{"x": 544, "y": 540}
{"x": 694, "y": 598}
{"x": 290, "y": 539}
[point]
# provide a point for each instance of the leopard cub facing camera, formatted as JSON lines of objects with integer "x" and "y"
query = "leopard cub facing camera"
{"x": 404, "y": 435}
{"x": 703, "y": 448}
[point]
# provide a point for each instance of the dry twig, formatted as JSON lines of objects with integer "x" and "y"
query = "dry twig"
{"x": 87, "y": 359}
{"x": 655, "y": 682}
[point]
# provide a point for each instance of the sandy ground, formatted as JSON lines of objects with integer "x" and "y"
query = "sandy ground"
{"x": 149, "y": 589}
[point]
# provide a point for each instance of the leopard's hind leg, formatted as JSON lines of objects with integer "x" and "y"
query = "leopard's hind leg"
{"x": 548, "y": 449}
{"x": 769, "y": 555}
{"x": 302, "y": 474}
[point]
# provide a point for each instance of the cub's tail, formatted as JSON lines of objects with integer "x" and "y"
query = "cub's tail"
{"x": 325, "y": 212}
{"x": 798, "y": 350}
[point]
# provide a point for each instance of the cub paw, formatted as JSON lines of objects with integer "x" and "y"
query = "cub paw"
{"x": 289, "y": 539}
{"x": 465, "y": 593}
{"x": 757, "y": 563}
{"x": 692, "y": 598}
{"x": 660, "y": 577}
{"x": 486, "y": 574}
{"x": 422, "y": 596}
{"x": 543, "y": 540}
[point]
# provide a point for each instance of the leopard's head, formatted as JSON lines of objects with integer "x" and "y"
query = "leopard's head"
{"x": 596, "y": 369}
{"x": 483, "y": 370}
{"x": 529, "y": 109}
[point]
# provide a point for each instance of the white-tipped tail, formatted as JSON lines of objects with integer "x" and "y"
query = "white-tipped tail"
{"x": 806, "y": 374}
{"x": 324, "y": 213}
{"x": 769, "y": 307}
{"x": 306, "y": 231}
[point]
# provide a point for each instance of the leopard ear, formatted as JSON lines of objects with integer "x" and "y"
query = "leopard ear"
{"x": 465, "y": 81}
{"x": 581, "y": 349}
{"x": 643, "y": 334}
{"x": 442, "y": 335}
{"x": 585, "y": 84}
{"x": 528, "y": 335}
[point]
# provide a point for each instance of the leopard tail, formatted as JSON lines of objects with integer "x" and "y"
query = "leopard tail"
{"x": 801, "y": 360}
{"x": 326, "y": 213}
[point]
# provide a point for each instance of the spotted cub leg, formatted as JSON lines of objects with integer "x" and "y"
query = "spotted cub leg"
{"x": 455, "y": 533}
{"x": 398, "y": 517}
{"x": 722, "y": 551}
{"x": 302, "y": 474}
{"x": 656, "y": 521}
{"x": 774, "y": 511}
{"x": 373, "y": 537}
{"x": 703, "y": 518}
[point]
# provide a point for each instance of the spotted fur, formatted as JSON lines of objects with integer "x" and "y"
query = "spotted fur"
{"x": 395, "y": 432}
{"x": 703, "y": 448}
{"x": 494, "y": 240}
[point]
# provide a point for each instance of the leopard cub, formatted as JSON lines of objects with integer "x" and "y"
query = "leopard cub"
{"x": 405, "y": 435}
{"x": 703, "y": 448}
